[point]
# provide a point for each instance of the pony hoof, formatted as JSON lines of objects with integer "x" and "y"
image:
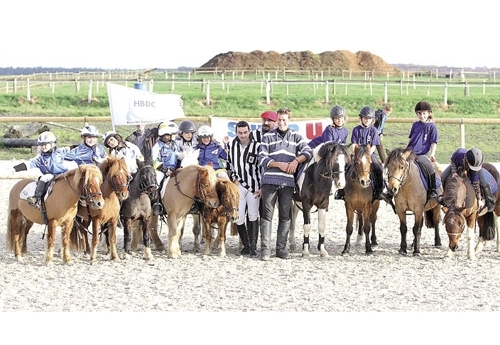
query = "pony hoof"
{"x": 305, "y": 254}
{"x": 293, "y": 247}
{"x": 324, "y": 255}
{"x": 416, "y": 254}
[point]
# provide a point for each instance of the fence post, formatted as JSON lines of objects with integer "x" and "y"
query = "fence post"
{"x": 334, "y": 87}
{"x": 462, "y": 133}
{"x": 172, "y": 87}
{"x": 326, "y": 91}
{"x": 445, "y": 93}
{"x": 268, "y": 92}
{"x": 385, "y": 92}
{"x": 6, "y": 87}
{"x": 401, "y": 87}
{"x": 77, "y": 84}
{"x": 222, "y": 81}
{"x": 484, "y": 88}
{"x": 208, "y": 93}
{"x": 89, "y": 96}
{"x": 28, "y": 91}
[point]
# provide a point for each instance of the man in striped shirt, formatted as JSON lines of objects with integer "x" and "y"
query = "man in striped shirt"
{"x": 243, "y": 164}
{"x": 281, "y": 152}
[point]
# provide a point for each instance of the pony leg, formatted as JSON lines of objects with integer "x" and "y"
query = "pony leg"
{"x": 112, "y": 241}
{"x": 196, "y": 231}
{"x": 293, "y": 220}
{"x": 174, "y": 232}
{"x": 15, "y": 229}
{"x": 480, "y": 245}
{"x": 366, "y": 230}
{"x": 51, "y": 242}
{"x": 208, "y": 237}
{"x": 222, "y": 238}
{"x": 470, "y": 244}
{"x": 359, "y": 225}
{"x": 322, "y": 228}
{"x": 348, "y": 230}
{"x": 96, "y": 226}
{"x": 305, "y": 244}
{"x": 146, "y": 240}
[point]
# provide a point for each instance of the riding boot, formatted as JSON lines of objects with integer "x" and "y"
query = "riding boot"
{"x": 488, "y": 196}
{"x": 265, "y": 239}
{"x": 253, "y": 235}
{"x": 242, "y": 231}
{"x": 281, "y": 239}
{"x": 432, "y": 187}
{"x": 379, "y": 187}
{"x": 156, "y": 204}
{"x": 35, "y": 200}
{"x": 339, "y": 194}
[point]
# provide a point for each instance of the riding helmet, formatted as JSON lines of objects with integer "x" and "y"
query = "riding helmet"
{"x": 90, "y": 131}
{"x": 205, "y": 131}
{"x": 367, "y": 112}
{"x": 109, "y": 134}
{"x": 423, "y": 106}
{"x": 167, "y": 128}
{"x": 337, "y": 111}
{"x": 46, "y": 138}
{"x": 187, "y": 126}
{"x": 474, "y": 158}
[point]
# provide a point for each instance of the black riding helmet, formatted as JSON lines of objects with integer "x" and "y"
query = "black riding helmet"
{"x": 187, "y": 126}
{"x": 423, "y": 106}
{"x": 474, "y": 159}
{"x": 367, "y": 112}
{"x": 337, "y": 111}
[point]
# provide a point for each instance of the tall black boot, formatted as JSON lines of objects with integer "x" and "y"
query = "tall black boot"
{"x": 253, "y": 235}
{"x": 488, "y": 197}
{"x": 432, "y": 187}
{"x": 36, "y": 200}
{"x": 156, "y": 204}
{"x": 242, "y": 231}
{"x": 379, "y": 187}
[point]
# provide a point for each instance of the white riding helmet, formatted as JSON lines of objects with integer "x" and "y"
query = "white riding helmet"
{"x": 90, "y": 131}
{"x": 205, "y": 131}
{"x": 106, "y": 136}
{"x": 167, "y": 128}
{"x": 46, "y": 138}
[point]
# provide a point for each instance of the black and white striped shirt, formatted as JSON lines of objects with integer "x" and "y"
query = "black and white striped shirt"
{"x": 244, "y": 164}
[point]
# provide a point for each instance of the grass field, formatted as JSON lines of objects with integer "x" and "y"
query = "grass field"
{"x": 245, "y": 100}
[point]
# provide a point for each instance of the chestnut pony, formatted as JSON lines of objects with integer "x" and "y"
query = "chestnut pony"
{"x": 61, "y": 206}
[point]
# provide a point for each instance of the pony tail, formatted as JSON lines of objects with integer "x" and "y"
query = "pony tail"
{"x": 487, "y": 232}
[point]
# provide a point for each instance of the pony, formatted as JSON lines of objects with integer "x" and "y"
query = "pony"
{"x": 488, "y": 223}
{"x": 461, "y": 210}
{"x": 136, "y": 209}
{"x": 226, "y": 212}
{"x": 116, "y": 179}
{"x": 405, "y": 185}
{"x": 188, "y": 185}
{"x": 59, "y": 209}
{"x": 358, "y": 199}
{"x": 324, "y": 170}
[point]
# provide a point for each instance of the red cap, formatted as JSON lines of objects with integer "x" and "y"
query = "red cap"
{"x": 270, "y": 115}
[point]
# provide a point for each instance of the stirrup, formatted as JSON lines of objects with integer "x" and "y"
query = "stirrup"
{"x": 339, "y": 194}
{"x": 34, "y": 201}
{"x": 157, "y": 209}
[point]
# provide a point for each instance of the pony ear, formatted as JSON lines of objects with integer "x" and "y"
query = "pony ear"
{"x": 210, "y": 164}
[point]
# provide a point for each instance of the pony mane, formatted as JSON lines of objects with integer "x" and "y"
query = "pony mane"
{"x": 228, "y": 189}
{"x": 207, "y": 171}
{"x": 451, "y": 190}
{"x": 397, "y": 155}
{"x": 113, "y": 165}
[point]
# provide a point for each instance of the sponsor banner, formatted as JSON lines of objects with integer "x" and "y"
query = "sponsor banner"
{"x": 129, "y": 106}
{"x": 308, "y": 128}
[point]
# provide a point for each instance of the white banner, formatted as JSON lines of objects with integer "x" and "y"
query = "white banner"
{"x": 130, "y": 106}
{"x": 308, "y": 128}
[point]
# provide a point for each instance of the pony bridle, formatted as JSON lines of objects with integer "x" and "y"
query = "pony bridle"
{"x": 403, "y": 178}
{"x": 87, "y": 195}
{"x": 144, "y": 185}
{"x": 117, "y": 187}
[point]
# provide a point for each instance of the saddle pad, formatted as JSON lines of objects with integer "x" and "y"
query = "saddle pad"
{"x": 424, "y": 180}
{"x": 29, "y": 191}
{"x": 491, "y": 181}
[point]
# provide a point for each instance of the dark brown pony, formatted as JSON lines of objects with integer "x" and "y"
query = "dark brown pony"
{"x": 405, "y": 184}
{"x": 325, "y": 170}
{"x": 61, "y": 205}
{"x": 460, "y": 207}
{"x": 229, "y": 199}
{"x": 137, "y": 209}
{"x": 187, "y": 185}
{"x": 488, "y": 223}
{"x": 116, "y": 178}
{"x": 358, "y": 199}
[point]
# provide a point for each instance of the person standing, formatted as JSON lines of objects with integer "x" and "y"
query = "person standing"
{"x": 281, "y": 152}
{"x": 423, "y": 141}
{"x": 144, "y": 138}
{"x": 269, "y": 119}
{"x": 244, "y": 170}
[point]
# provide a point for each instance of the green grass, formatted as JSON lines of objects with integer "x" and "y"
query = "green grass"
{"x": 243, "y": 100}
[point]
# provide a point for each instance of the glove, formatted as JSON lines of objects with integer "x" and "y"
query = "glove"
{"x": 20, "y": 167}
{"x": 98, "y": 160}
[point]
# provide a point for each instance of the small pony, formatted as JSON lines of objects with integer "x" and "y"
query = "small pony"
{"x": 324, "y": 170}
{"x": 229, "y": 197}
{"x": 114, "y": 189}
{"x": 358, "y": 199}
{"x": 461, "y": 210}
{"x": 61, "y": 206}
{"x": 405, "y": 185}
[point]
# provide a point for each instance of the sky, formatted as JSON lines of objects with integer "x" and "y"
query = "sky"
{"x": 166, "y": 35}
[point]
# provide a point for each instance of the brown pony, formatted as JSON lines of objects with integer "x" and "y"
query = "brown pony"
{"x": 405, "y": 184}
{"x": 229, "y": 198}
{"x": 358, "y": 199}
{"x": 461, "y": 207}
{"x": 114, "y": 189}
{"x": 61, "y": 206}
{"x": 187, "y": 185}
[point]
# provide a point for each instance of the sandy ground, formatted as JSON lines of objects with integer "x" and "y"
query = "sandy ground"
{"x": 384, "y": 281}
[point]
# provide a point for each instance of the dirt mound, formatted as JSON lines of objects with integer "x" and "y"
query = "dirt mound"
{"x": 334, "y": 60}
